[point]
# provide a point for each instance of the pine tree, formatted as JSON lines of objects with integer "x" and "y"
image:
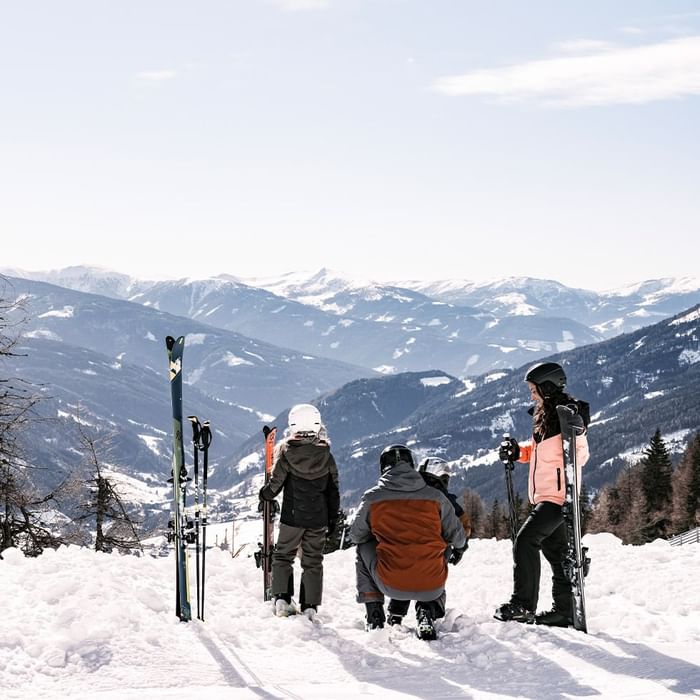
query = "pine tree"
{"x": 686, "y": 489}
{"x": 475, "y": 509}
{"x": 656, "y": 480}
{"x": 496, "y": 524}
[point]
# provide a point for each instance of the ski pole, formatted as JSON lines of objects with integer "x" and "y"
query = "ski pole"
{"x": 512, "y": 515}
{"x": 196, "y": 434}
{"x": 206, "y": 436}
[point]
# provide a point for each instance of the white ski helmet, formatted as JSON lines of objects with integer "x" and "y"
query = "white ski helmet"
{"x": 304, "y": 418}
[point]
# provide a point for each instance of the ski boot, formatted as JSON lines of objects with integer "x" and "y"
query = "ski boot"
{"x": 425, "y": 625}
{"x": 309, "y": 611}
{"x": 283, "y": 606}
{"x": 514, "y": 611}
{"x": 375, "y": 618}
{"x": 554, "y": 618}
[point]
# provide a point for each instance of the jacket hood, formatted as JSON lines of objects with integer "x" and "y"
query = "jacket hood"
{"x": 401, "y": 477}
{"x": 307, "y": 458}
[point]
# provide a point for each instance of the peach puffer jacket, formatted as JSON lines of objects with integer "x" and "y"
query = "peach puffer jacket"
{"x": 546, "y": 479}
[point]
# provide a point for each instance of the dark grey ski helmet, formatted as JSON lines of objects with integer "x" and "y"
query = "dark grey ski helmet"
{"x": 549, "y": 378}
{"x": 392, "y": 455}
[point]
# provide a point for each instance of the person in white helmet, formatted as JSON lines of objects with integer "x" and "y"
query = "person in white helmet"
{"x": 305, "y": 470}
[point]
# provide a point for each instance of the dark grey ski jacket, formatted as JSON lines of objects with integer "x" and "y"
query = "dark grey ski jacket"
{"x": 307, "y": 472}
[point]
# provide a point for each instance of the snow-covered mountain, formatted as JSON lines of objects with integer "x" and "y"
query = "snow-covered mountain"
{"x": 635, "y": 384}
{"x": 85, "y": 626}
{"x": 103, "y": 361}
{"x": 380, "y": 327}
{"x": 608, "y": 313}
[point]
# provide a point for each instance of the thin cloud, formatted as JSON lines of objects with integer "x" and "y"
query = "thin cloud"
{"x": 301, "y": 5}
{"x": 156, "y": 75}
{"x": 583, "y": 46}
{"x": 633, "y": 75}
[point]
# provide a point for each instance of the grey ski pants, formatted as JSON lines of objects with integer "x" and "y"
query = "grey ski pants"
{"x": 312, "y": 542}
{"x": 371, "y": 588}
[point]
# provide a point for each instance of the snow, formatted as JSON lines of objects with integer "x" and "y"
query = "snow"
{"x": 494, "y": 376}
{"x": 196, "y": 338}
{"x": 42, "y": 333}
{"x": 385, "y": 369}
{"x": 233, "y": 360}
{"x": 435, "y": 381}
{"x": 688, "y": 318}
{"x": 653, "y": 394}
{"x": 689, "y": 357}
{"x": 88, "y": 625}
{"x": 65, "y": 312}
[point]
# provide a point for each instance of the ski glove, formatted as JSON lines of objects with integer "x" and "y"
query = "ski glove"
{"x": 456, "y": 555}
{"x": 509, "y": 450}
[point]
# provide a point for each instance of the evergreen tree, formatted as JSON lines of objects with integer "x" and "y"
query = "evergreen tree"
{"x": 475, "y": 509}
{"x": 656, "y": 480}
{"x": 496, "y": 524}
{"x": 686, "y": 489}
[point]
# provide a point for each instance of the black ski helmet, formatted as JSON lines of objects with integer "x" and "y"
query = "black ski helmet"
{"x": 393, "y": 455}
{"x": 548, "y": 377}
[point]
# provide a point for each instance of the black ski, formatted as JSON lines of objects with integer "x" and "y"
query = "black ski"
{"x": 577, "y": 561}
{"x": 512, "y": 513}
{"x": 178, "y": 477}
{"x": 263, "y": 557}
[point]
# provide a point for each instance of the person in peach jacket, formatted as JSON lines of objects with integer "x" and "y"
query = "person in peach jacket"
{"x": 545, "y": 529}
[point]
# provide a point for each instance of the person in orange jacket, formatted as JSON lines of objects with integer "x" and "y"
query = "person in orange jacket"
{"x": 545, "y": 529}
{"x": 406, "y": 533}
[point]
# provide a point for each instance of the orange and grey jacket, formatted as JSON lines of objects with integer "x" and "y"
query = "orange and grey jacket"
{"x": 546, "y": 479}
{"x": 413, "y": 524}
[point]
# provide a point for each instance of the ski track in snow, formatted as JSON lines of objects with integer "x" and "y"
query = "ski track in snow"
{"x": 78, "y": 624}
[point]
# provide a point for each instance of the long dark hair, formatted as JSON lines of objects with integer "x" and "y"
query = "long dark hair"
{"x": 545, "y": 420}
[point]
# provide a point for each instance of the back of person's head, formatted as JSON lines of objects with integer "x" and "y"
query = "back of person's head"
{"x": 436, "y": 467}
{"x": 394, "y": 454}
{"x": 304, "y": 420}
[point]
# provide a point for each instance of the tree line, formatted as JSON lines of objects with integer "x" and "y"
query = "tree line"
{"x": 85, "y": 507}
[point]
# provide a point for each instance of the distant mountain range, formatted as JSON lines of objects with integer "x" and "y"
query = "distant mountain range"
{"x": 635, "y": 383}
{"x": 462, "y": 328}
{"x": 95, "y": 341}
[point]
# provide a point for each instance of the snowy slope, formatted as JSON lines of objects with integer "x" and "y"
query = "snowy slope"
{"x": 82, "y": 625}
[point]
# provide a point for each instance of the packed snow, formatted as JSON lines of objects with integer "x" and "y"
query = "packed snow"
{"x": 79, "y": 624}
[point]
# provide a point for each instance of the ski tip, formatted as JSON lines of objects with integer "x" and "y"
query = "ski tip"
{"x": 266, "y": 430}
{"x": 169, "y": 342}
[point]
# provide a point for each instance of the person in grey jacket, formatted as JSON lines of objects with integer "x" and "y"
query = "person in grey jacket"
{"x": 305, "y": 470}
{"x": 405, "y": 532}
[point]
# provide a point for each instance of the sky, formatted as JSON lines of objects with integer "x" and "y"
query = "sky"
{"x": 385, "y": 139}
{"x": 92, "y": 626}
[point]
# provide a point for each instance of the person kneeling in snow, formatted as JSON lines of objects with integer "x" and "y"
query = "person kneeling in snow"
{"x": 405, "y": 531}
{"x": 435, "y": 473}
{"x": 304, "y": 467}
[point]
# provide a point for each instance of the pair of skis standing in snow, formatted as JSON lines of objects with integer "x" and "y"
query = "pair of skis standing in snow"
{"x": 184, "y": 529}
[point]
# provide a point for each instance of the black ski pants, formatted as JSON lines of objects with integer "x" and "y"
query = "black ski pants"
{"x": 545, "y": 531}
